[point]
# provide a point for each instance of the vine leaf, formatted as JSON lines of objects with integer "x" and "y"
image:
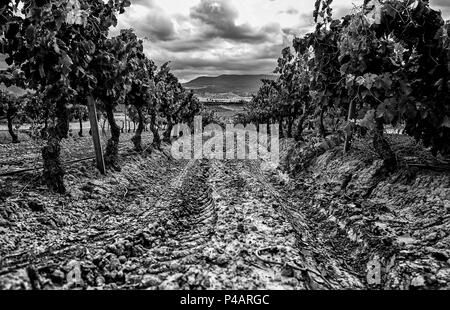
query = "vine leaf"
{"x": 369, "y": 120}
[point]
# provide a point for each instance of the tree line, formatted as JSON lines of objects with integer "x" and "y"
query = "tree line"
{"x": 62, "y": 50}
{"x": 386, "y": 63}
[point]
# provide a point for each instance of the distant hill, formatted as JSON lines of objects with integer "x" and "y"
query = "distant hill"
{"x": 240, "y": 85}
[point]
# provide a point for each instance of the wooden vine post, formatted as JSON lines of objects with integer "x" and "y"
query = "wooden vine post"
{"x": 96, "y": 136}
{"x": 349, "y": 130}
{"x": 125, "y": 126}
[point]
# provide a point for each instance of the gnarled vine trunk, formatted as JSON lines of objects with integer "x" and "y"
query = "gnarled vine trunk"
{"x": 154, "y": 130}
{"x": 322, "y": 130}
{"x": 299, "y": 132}
{"x": 14, "y": 136}
{"x": 383, "y": 148}
{"x": 112, "y": 147}
{"x": 290, "y": 125}
{"x": 104, "y": 126}
{"x": 301, "y": 123}
{"x": 280, "y": 123}
{"x": 122, "y": 128}
{"x": 168, "y": 131}
{"x": 44, "y": 131}
{"x": 81, "y": 127}
{"x": 53, "y": 174}
{"x": 137, "y": 139}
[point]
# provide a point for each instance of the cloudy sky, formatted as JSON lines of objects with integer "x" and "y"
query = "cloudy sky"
{"x": 213, "y": 37}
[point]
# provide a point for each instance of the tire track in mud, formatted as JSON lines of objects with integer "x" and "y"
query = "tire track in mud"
{"x": 105, "y": 233}
{"x": 222, "y": 229}
{"x": 223, "y": 225}
{"x": 155, "y": 233}
{"x": 187, "y": 217}
{"x": 314, "y": 252}
{"x": 217, "y": 234}
{"x": 249, "y": 231}
{"x": 286, "y": 267}
{"x": 217, "y": 225}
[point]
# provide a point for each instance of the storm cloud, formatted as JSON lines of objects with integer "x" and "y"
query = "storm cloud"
{"x": 219, "y": 21}
{"x": 213, "y": 37}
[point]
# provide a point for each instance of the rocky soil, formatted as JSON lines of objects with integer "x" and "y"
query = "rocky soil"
{"x": 210, "y": 224}
{"x": 393, "y": 230}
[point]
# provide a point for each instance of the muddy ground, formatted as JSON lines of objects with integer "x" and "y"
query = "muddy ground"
{"x": 209, "y": 224}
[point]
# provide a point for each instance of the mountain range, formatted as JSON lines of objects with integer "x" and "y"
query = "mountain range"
{"x": 231, "y": 85}
{"x": 219, "y": 87}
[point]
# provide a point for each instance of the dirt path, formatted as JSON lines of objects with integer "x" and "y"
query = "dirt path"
{"x": 229, "y": 238}
{"x": 225, "y": 227}
{"x": 173, "y": 225}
